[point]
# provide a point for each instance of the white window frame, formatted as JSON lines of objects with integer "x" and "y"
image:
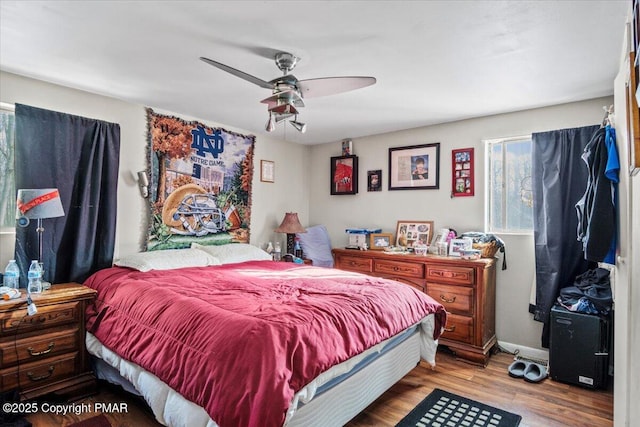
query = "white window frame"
{"x": 488, "y": 223}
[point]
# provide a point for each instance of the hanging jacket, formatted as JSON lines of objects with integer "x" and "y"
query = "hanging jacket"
{"x": 596, "y": 209}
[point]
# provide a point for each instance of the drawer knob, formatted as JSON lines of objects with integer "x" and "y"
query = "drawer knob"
{"x": 449, "y": 300}
{"x": 32, "y": 376}
{"x": 451, "y": 329}
{"x": 40, "y": 353}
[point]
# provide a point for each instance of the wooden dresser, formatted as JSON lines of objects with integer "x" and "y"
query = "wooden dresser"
{"x": 466, "y": 288}
{"x": 45, "y": 353}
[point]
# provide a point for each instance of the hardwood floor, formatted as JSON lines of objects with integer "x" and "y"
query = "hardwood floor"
{"x": 548, "y": 404}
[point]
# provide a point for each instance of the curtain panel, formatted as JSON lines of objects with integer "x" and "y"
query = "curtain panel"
{"x": 559, "y": 180}
{"x": 80, "y": 157}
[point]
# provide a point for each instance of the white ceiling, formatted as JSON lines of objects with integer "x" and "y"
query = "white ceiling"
{"x": 435, "y": 61}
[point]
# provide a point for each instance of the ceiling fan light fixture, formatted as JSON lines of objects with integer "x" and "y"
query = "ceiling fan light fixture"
{"x": 300, "y": 127}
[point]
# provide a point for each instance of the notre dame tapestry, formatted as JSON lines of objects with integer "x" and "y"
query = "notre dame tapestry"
{"x": 200, "y": 183}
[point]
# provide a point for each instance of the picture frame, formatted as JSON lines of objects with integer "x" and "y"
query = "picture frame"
{"x": 462, "y": 174}
{"x": 414, "y": 167}
{"x": 344, "y": 175}
{"x": 380, "y": 241}
{"x": 267, "y": 171}
{"x": 409, "y": 233}
{"x": 633, "y": 118}
{"x": 374, "y": 180}
{"x": 458, "y": 245}
{"x": 347, "y": 147}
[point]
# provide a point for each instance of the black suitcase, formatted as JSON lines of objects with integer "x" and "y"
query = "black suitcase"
{"x": 579, "y": 348}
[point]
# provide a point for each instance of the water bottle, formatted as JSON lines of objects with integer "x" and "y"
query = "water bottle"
{"x": 297, "y": 250}
{"x": 12, "y": 275}
{"x": 35, "y": 278}
{"x": 277, "y": 252}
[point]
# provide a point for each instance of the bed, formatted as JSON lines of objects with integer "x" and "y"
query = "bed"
{"x": 245, "y": 341}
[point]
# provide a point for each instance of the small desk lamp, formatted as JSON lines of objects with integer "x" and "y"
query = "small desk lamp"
{"x": 290, "y": 225}
{"x": 38, "y": 204}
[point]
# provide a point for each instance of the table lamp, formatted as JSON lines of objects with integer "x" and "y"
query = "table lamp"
{"x": 290, "y": 225}
{"x": 38, "y": 204}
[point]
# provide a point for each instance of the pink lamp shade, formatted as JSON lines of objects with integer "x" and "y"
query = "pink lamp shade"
{"x": 290, "y": 224}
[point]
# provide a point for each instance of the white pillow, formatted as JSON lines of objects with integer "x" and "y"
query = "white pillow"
{"x": 167, "y": 259}
{"x": 316, "y": 245}
{"x": 234, "y": 252}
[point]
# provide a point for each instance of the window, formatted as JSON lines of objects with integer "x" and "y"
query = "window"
{"x": 509, "y": 204}
{"x": 7, "y": 169}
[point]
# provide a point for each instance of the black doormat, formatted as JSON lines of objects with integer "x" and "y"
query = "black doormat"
{"x": 444, "y": 409}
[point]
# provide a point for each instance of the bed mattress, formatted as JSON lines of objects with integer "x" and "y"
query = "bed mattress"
{"x": 332, "y": 398}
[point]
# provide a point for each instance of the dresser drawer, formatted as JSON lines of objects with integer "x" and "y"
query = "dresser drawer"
{"x": 46, "y": 317}
{"x": 38, "y": 347}
{"x": 459, "y": 328}
{"x": 354, "y": 263}
{"x": 398, "y": 268}
{"x": 39, "y": 373}
{"x": 451, "y": 274}
{"x": 456, "y": 299}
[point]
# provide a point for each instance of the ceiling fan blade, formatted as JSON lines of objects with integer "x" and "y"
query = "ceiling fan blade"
{"x": 238, "y": 73}
{"x": 311, "y": 88}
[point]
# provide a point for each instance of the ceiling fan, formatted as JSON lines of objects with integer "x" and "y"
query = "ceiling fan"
{"x": 288, "y": 92}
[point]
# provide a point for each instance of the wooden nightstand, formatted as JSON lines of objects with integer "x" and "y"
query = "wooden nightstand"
{"x": 45, "y": 353}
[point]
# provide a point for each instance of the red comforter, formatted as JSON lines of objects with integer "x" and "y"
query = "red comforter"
{"x": 241, "y": 339}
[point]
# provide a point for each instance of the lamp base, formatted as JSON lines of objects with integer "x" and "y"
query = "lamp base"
{"x": 291, "y": 238}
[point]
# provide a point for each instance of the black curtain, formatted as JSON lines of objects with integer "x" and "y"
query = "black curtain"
{"x": 80, "y": 157}
{"x": 559, "y": 181}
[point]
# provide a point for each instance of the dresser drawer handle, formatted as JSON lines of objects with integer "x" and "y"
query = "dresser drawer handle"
{"x": 41, "y": 377}
{"x": 40, "y": 353}
{"x": 451, "y": 329}
{"x": 449, "y": 300}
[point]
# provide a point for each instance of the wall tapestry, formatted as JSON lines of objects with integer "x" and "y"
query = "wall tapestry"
{"x": 200, "y": 183}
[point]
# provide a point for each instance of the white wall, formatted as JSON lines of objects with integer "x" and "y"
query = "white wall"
{"x": 383, "y": 209}
{"x": 269, "y": 202}
{"x": 302, "y": 184}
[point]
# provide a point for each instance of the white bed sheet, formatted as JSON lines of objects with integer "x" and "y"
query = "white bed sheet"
{"x": 172, "y": 409}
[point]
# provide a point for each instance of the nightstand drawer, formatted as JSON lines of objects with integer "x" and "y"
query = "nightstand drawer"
{"x": 456, "y": 299}
{"x": 398, "y": 268}
{"x": 451, "y": 274}
{"x": 354, "y": 263}
{"x": 39, "y": 373}
{"x": 38, "y": 347}
{"x": 458, "y": 328}
{"x": 46, "y": 317}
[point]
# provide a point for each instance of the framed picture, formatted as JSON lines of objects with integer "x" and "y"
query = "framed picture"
{"x": 374, "y": 180}
{"x": 344, "y": 175}
{"x": 347, "y": 147}
{"x": 412, "y": 233}
{"x": 457, "y": 245}
{"x": 633, "y": 118}
{"x": 267, "y": 171}
{"x": 379, "y": 241}
{"x": 462, "y": 172}
{"x": 414, "y": 167}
